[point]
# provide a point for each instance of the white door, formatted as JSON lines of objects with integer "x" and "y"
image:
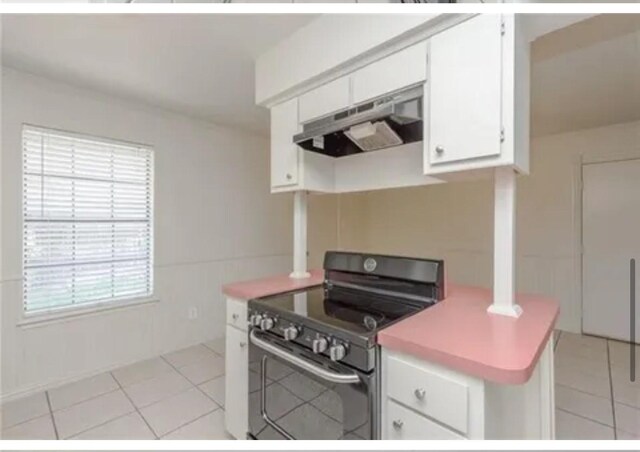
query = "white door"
{"x": 611, "y": 238}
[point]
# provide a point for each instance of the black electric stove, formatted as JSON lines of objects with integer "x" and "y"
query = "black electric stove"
{"x": 361, "y": 294}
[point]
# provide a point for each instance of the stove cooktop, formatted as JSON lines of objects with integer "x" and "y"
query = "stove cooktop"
{"x": 362, "y": 294}
{"x": 349, "y": 312}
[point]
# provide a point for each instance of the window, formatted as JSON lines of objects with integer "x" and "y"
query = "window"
{"x": 87, "y": 211}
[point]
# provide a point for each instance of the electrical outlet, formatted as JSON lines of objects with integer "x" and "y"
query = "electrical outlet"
{"x": 193, "y": 313}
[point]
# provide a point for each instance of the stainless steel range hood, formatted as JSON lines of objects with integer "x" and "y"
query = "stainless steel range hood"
{"x": 385, "y": 122}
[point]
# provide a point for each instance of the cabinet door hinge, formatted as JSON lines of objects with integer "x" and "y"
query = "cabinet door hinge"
{"x": 501, "y": 134}
{"x": 503, "y": 28}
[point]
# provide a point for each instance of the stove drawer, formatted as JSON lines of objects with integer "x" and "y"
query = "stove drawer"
{"x": 428, "y": 392}
{"x": 402, "y": 423}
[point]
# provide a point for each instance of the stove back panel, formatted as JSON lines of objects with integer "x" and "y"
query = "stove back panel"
{"x": 395, "y": 275}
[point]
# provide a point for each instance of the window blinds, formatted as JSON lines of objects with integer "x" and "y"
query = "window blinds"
{"x": 87, "y": 211}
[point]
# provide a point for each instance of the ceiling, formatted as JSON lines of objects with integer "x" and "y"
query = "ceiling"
{"x": 585, "y": 75}
{"x": 201, "y": 65}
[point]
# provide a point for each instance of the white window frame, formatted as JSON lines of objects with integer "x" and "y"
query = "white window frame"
{"x": 80, "y": 310}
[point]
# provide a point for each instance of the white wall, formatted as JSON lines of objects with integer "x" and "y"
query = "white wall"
{"x": 455, "y": 221}
{"x": 215, "y": 222}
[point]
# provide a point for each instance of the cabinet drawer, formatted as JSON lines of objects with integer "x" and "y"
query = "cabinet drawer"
{"x": 237, "y": 313}
{"x": 403, "y": 423}
{"x": 400, "y": 70}
{"x": 427, "y": 392}
{"x": 326, "y": 99}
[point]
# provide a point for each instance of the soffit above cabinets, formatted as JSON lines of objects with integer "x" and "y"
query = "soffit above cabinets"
{"x": 332, "y": 46}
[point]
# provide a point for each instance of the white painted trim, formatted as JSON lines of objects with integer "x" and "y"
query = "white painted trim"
{"x": 504, "y": 244}
{"x": 66, "y": 314}
{"x": 299, "y": 236}
{"x": 547, "y": 392}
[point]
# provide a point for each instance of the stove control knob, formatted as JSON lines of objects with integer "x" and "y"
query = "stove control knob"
{"x": 319, "y": 345}
{"x": 255, "y": 320}
{"x": 266, "y": 324}
{"x": 291, "y": 332}
{"x": 337, "y": 352}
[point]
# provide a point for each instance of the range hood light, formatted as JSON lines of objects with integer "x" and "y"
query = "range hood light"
{"x": 371, "y": 136}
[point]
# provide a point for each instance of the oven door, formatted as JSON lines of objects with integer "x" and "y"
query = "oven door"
{"x": 300, "y": 395}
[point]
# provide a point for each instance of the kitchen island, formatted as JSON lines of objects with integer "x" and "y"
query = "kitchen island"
{"x": 452, "y": 371}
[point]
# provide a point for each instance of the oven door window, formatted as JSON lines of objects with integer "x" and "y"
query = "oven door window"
{"x": 299, "y": 405}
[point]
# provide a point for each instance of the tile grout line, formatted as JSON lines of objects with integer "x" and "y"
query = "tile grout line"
{"x": 51, "y": 410}
{"x": 126, "y": 395}
{"x": 191, "y": 422}
{"x": 81, "y": 401}
{"x": 134, "y": 406}
{"x": 581, "y": 416}
{"x": 582, "y": 391}
{"x": 613, "y": 402}
{"x": 97, "y": 425}
{"x": 53, "y": 419}
{"x": 101, "y": 423}
{"x": 198, "y": 388}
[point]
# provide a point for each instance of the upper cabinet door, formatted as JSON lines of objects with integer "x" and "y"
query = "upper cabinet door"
{"x": 400, "y": 70}
{"x": 284, "y": 152}
{"x": 324, "y": 100}
{"x": 465, "y": 86}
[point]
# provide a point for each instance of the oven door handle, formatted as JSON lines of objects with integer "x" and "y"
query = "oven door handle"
{"x": 321, "y": 372}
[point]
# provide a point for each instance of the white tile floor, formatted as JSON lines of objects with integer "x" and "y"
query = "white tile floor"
{"x": 176, "y": 396}
{"x": 595, "y": 397}
{"x": 181, "y": 396}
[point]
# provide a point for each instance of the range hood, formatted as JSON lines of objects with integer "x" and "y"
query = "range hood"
{"x": 382, "y": 123}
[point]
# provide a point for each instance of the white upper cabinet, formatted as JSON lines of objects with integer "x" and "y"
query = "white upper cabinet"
{"x": 475, "y": 78}
{"x": 477, "y": 102}
{"x": 399, "y": 70}
{"x": 465, "y": 86}
{"x": 324, "y": 100}
{"x": 284, "y": 152}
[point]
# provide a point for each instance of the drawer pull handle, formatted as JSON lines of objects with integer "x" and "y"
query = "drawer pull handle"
{"x": 234, "y": 317}
{"x": 439, "y": 150}
{"x": 419, "y": 393}
{"x": 397, "y": 424}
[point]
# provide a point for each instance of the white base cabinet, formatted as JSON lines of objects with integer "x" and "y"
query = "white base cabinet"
{"x": 237, "y": 370}
{"x": 427, "y": 401}
{"x": 422, "y": 400}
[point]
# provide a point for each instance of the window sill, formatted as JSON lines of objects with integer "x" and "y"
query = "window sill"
{"x": 77, "y": 313}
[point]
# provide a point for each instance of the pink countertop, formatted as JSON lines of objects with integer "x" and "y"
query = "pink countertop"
{"x": 247, "y": 290}
{"x": 459, "y": 333}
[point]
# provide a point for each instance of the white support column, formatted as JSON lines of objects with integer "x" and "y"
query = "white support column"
{"x": 504, "y": 244}
{"x": 300, "y": 235}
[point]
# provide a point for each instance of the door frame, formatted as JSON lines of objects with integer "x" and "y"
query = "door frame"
{"x": 585, "y": 160}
